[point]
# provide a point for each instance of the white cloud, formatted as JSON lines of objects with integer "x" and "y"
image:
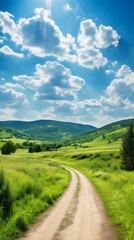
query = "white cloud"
{"x": 52, "y": 81}
{"x": 108, "y": 71}
{"x": 68, "y": 7}
{"x": 117, "y": 107}
{"x": 91, "y": 58}
{"x": 123, "y": 84}
{"x": 91, "y": 39}
{"x": 22, "y": 78}
{"x": 115, "y": 102}
{"x": 43, "y": 38}
{"x": 91, "y": 103}
{"x": 13, "y": 86}
{"x": 118, "y": 101}
{"x": 8, "y": 51}
{"x": 123, "y": 71}
{"x": 106, "y": 36}
{"x": 11, "y": 97}
{"x": 38, "y": 34}
{"x": 9, "y": 27}
{"x": 99, "y": 37}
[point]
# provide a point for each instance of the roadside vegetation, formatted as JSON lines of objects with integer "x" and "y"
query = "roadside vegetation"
{"x": 28, "y": 186}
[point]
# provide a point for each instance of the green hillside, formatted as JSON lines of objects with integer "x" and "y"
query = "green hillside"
{"x": 110, "y": 133}
{"x": 48, "y": 130}
{"x": 9, "y": 133}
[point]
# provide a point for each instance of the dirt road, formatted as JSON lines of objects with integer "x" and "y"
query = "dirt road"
{"x": 78, "y": 215}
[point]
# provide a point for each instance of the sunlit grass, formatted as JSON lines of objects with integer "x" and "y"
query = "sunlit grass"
{"x": 34, "y": 185}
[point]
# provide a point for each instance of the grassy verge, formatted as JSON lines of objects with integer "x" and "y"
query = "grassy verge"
{"x": 28, "y": 186}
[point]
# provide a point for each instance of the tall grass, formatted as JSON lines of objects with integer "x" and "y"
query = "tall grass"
{"x": 28, "y": 186}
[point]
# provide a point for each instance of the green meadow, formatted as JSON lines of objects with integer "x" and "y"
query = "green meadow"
{"x": 29, "y": 186}
{"x": 36, "y": 180}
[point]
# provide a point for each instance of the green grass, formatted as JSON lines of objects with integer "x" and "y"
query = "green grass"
{"x": 101, "y": 164}
{"x": 40, "y": 181}
{"x": 34, "y": 185}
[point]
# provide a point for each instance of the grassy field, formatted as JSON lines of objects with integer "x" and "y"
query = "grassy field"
{"x": 40, "y": 181}
{"x": 101, "y": 164}
{"x": 29, "y": 185}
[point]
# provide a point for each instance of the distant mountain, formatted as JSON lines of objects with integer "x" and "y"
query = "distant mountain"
{"x": 48, "y": 130}
{"x": 112, "y": 132}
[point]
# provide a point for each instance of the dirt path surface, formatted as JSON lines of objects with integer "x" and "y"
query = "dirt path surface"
{"x": 78, "y": 215}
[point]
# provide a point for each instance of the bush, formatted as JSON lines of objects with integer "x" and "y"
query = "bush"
{"x": 8, "y": 148}
{"x": 48, "y": 148}
{"x": 31, "y": 149}
{"x": 34, "y": 148}
{"x": 37, "y": 148}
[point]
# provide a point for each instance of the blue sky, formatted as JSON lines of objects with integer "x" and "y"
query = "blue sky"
{"x": 67, "y": 60}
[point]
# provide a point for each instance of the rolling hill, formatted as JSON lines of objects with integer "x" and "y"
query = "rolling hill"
{"x": 48, "y": 130}
{"x": 110, "y": 133}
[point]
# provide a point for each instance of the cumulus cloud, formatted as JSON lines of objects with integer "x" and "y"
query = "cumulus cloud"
{"x": 52, "y": 81}
{"x": 8, "y": 51}
{"x": 123, "y": 84}
{"x": 99, "y": 37}
{"x": 123, "y": 71}
{"x": 112, "y": 106}
{"x": 91, "y": 39}
{"x": 118, "y": 101}
{"x": 43, "y": 38}
{"x": 9, "y": 27}
{"x": 91, "y": 58}
{"x": 11, "y": 97}
{"x": 38, "y": 34}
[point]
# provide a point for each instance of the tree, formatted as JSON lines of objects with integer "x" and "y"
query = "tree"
{"x": 37, "y": 148}
{"x": 8, "y": 148}
{"x": 127, "y": 149}
{"x": 31, "y": 149}
{"x": 48, "y": 148}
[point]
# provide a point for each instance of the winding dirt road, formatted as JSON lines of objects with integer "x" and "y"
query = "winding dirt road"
{"x": 78, "y": 215}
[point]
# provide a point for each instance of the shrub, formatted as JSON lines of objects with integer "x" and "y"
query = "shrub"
{"x": 48, "y": 148}
{"x": 37, "y": 148}
{"x": 8, "y": 148}
{"x": 31, "y": 149}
